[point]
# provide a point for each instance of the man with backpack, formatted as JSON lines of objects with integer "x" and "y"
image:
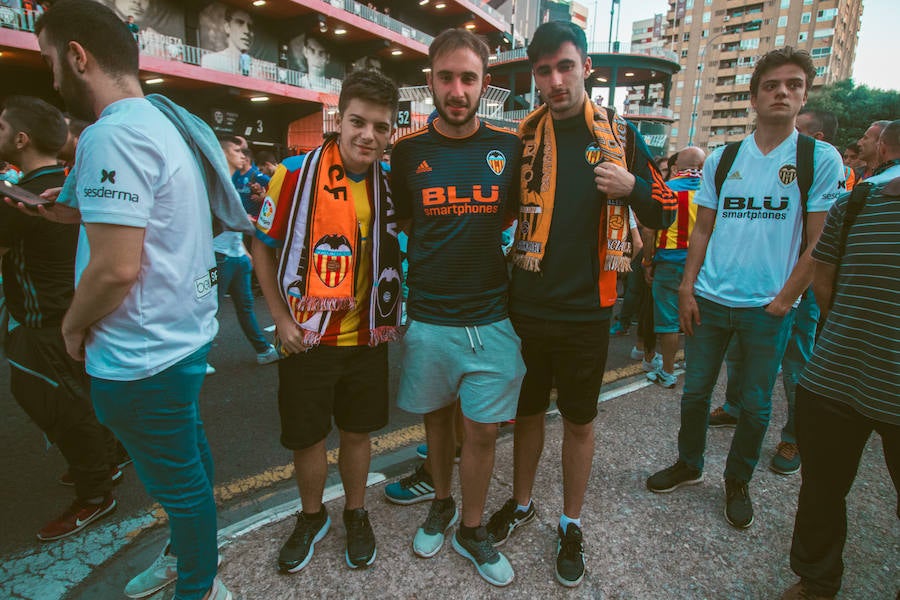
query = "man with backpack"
{"x": 748, "y": 263}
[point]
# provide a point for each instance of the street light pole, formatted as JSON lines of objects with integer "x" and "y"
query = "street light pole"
{"x": 697, "y": 87}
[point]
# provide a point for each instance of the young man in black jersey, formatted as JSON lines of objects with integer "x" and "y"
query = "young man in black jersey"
{"x": 574, "y": 175}
{"x": 457, "y": 181}
{"x": 39, "y": 278}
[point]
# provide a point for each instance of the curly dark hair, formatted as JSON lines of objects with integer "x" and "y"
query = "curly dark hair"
{"x": 779, "y": 57}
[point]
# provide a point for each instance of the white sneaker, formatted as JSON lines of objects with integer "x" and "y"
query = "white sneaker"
{"x": 218, "y": 591}
{"x": 636, "y": 354}
{"x": 210, "y": 370}
{"x": 161, "y": 573}
{"x": 267, "y": 357}
{"x": 666, "y": 380}
{"x": 654, "y": 364}
{"x": 158, "y": 575}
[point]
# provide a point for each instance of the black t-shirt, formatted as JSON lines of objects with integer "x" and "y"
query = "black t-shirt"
{"x": 458, "y": 193}
{"x": 566, "y": 287}
{"x": 39, "y": 268}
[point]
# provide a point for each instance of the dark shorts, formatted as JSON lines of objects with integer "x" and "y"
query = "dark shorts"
{"x": 571, "y": 354}
{"x": 349, "y": 383}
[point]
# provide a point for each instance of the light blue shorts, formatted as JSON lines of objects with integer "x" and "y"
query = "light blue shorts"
{"x": 482, "y": 366}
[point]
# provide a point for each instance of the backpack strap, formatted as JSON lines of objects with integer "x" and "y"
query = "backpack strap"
{"x": 724, "y": 166}
{"x": 855, "y": 204}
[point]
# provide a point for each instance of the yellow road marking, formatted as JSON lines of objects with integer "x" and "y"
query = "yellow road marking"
{"x": 382, "y": 444}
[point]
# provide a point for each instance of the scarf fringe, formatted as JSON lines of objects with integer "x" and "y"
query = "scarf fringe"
{"x": 317, "y": 304}
{"x": 618, "y": 263}
{"x": 385, "y": 333}
{"x": 526, "y": 262}
{"x": 311, "y": 338}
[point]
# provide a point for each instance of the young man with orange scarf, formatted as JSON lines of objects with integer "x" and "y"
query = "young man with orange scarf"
{"x": 334, "y": 293}
{"x": 582, "y": 167}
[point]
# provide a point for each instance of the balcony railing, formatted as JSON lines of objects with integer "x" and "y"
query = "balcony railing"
{"x": 382, "y": 19}
{"x": 649, "y": 111}
{"x": 595, "y": 48}
{"x": 173, "y": 48}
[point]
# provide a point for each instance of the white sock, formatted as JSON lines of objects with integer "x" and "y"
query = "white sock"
{"x": 521, "y": 508}
{"x": 564, "y": 522}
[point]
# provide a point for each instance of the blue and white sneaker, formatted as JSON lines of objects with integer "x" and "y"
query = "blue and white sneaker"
{"x": 416, "y": 487}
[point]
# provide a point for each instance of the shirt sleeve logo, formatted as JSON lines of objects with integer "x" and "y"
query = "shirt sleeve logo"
{"x": 496, "y": 160}
{"x": 787, "y": 174}
{"x": 109, "y": 176}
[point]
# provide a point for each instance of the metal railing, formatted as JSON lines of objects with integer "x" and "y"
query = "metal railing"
{"x": 382, "y": 19}
{"x": 649, "y": 111}
{"x": 18, "y": 18}
{"x": 595, "y": 48}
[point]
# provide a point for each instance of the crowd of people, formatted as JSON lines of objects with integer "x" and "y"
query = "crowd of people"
{"x": 753, "y": 253}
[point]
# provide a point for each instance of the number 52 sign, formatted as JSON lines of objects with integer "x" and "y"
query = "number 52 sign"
{"x": 404, "y": 114}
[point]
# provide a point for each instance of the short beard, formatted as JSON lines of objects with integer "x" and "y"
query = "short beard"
{"x": 447, "y": 119}
{"x": 75, "y": 96}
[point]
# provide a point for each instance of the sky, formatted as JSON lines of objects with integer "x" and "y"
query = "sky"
{"x": 873, "y": 66}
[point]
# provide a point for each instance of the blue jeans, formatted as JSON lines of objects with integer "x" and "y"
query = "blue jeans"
{"x": 762, "y": 339}
{"x": 799, "y": 351}
{"x": 157, "y": 419}
{"x": 234, "y": 279}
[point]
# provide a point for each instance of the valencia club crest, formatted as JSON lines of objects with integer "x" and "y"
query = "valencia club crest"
{"x": 333, "y": 258}
{"x": 496, "y": 161}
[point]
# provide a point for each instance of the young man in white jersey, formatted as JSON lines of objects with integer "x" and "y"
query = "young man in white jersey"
{"x": 748, "y": 263}
{"x": 143, "y": 314}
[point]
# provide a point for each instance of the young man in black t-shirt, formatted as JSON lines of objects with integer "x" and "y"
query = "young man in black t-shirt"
{"x": 38, "y": 280}
{"x": 457, "y": 182}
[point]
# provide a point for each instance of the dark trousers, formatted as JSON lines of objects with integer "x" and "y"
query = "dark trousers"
{"x": 54, "y": 392}
{"x": 831, "y": 436}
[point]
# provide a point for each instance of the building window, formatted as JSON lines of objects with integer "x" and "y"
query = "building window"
{"x": 674, "y": 131}
{"x": 704, "y": 33}
{"x": 820, "y": 71}
{"x": 805, "y": 18}
{"x": 689, "y": 4}
{"x": 779, "y": 41}
{"x": 751, "y": 44}
{"x": 782, "y": 21}
{"x": 817, "y": 52}
{"x": 706, "y": 16}
{"x": 785, "y": 3}
{"x": 827, "y": 14}
{"x": 680, "y": 85}
{"x": 742, "y": 79}
{"x": 707, "y": 2}
{"x": 802, "y": 37}
{"x": 686, "y": 37}
{"x": 807, "y": 2}
{"x": 688, "y": 19}
{"x": 820, "y": 33}
{"x": 678, "y": 101}
{"x": 684, "y": 53}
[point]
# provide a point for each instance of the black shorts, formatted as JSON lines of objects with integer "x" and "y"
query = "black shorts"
{"x": 349, "y": 383}
{"x": 573, "y": 354}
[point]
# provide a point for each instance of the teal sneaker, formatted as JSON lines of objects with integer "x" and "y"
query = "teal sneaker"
{"x": 415, "y": 487}
{"x": 429, "y": 539}
{"x": 786, "y": 460}
{"x": 491, "y": 564}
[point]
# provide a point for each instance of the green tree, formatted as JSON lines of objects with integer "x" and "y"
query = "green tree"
{"x": 856, "y": 107}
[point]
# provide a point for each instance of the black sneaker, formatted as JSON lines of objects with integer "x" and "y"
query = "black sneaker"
{"x": 673, "y": 478}
{"x": 298, "y": 549}
{"x": 360, "y": 539}
{"x": 719, "y": 418}
{"x": 570, "y": 556}
{"x": 508, "y": 519}
{"x": 738, "y": 507}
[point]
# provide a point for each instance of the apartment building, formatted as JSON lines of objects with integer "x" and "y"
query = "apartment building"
{"x": 718, "y": 43}
{"x": 647, "y": 36}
